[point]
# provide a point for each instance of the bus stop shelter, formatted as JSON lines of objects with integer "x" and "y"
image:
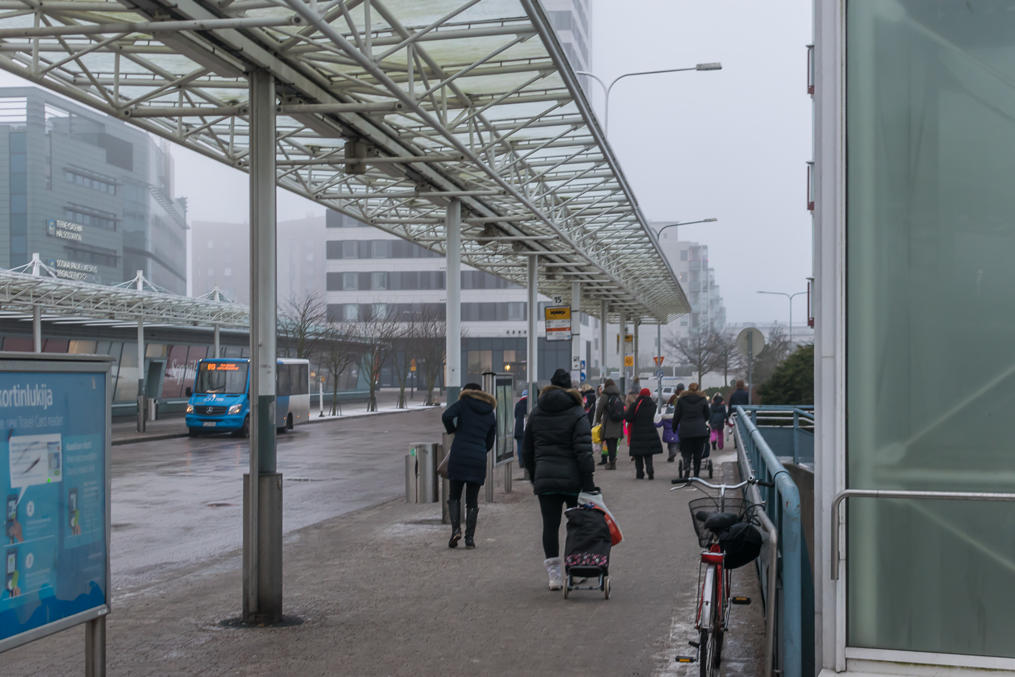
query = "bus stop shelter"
{"x": 456, "y": 124}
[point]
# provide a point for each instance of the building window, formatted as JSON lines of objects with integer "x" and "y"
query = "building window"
{"x": 379, "y": 280}
{"x": 349, "y": 249}
{"x": 91, "y": 217}
{"x": 350, "y": 312}
{"x": 95, "y": 182}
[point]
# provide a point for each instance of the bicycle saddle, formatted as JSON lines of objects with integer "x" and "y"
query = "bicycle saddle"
{"x": 717, "y": 521}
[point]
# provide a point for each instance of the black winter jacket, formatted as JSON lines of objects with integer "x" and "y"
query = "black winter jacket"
{"x": 521, "y": 409}
{"x": 690, "y": 415}
{"x": 474, "y": 424}
{"x": 738, "y": 398}
{"x": 717, "y": 415}
{"x": 557, "y": 449}
{"x": 640, "y": 420}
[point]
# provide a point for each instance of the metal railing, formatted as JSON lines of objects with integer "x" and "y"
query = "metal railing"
{"x": 784, "y": 425}
{"x": 782, "y": 507}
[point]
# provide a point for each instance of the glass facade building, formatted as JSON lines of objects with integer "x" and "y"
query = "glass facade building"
{"x": 92, "y": 195}
{"x": 913, "y": 247}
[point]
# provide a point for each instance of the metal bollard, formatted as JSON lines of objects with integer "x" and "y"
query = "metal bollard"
{"x": 426, "y": 473}
{"x": 410, "y": 477}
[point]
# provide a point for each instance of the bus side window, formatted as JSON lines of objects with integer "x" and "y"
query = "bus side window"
{"x": 283, "y": 380}
{"x": 303, "y": 381}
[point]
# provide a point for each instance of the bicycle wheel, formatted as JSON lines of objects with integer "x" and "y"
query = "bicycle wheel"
{"x": 704, "y": 664}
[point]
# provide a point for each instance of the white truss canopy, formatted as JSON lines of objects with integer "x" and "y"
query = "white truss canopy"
{"x": 386, "y": 110}
{"x": 74, "y": 302}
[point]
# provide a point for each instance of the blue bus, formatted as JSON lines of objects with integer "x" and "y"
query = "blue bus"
{"x": 220, "y": 398}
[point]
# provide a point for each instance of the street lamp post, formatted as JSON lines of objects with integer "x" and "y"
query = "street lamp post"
{"x": 607, "y": 89}
{"x": 684, "y": 223}
{"x": 789, "y": 297}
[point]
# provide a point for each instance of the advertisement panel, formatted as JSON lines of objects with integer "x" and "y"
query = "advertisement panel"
{"x": 504, "y": 391}
{"x": 54, "y": 479}
{"x": 558, "y": 323}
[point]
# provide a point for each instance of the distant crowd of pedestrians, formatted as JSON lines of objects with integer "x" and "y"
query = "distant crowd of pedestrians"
{"x": 557, "y": 440}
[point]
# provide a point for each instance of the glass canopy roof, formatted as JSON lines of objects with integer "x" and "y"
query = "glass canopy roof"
{"x": 387, "y": 110}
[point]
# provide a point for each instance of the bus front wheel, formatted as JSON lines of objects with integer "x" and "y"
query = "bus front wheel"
{"x": 244, "y": 431}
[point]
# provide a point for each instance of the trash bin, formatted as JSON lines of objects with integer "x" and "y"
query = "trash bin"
{"x": 152, "y": 409}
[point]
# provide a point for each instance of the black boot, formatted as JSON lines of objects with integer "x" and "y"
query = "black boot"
{"x": 455, "y": 510}
{"x": 470, "y": 526}
{"x": 603, "y": 461}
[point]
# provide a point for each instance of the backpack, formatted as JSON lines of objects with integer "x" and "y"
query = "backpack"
{"x": 614, "y": 408}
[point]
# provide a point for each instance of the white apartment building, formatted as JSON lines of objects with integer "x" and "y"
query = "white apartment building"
{"x": 370, "y": 273}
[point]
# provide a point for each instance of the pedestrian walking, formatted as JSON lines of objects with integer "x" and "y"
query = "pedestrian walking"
{"x": 644, "y": 442}
{"x": 689, "y": 420}
{"x": 588, "y": 401}
{"x": 557, "y": 452}
{"x": 740, "y": 396}
{"x": 716, "y": 420}
{"x": 670, "y": 437}
{"x": 474, "y": 425}
{"x": 610, "y": 413}
{"x": 521, "y": 411}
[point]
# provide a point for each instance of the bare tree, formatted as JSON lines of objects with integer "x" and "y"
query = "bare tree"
{"x": 777, "y": 348}
{"x": 727, "y": 357}
{"x": 699, "y": 350}
{"x": 379, "y": 334}
{"x": 301, "y": 324}
{"x": 430, "y": 342}
{"x": 337, "y": 355}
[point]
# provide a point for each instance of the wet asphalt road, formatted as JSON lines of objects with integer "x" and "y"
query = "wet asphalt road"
{"x": 178, "y": 502}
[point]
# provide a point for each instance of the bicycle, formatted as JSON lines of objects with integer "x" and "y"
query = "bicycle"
{"x": 712, "y": 516}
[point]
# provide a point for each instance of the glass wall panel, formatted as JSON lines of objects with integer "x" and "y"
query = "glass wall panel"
{"x": 176, "y": 368}
{"x": 126, "y": 381}
{"x": 930, "y": 332}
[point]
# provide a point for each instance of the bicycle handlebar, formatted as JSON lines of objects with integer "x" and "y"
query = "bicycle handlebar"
{"x": 723, "y": 487}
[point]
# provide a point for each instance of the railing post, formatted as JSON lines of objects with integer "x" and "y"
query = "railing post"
{"x": 796, "y": 437}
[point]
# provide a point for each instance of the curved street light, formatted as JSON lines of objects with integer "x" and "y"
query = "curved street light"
{"x": 607, "y": 89}
{"x": 684, "y": 223}
{"x": 789, "y": 297}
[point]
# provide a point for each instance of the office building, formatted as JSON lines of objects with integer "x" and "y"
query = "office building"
{"x": 571, "y": 23}
{"x": 91, "y": 194}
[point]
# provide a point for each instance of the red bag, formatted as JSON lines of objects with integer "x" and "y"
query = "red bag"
{"x": 596, "y": 500}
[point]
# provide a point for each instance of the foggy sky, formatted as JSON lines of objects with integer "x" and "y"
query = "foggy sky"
{"x": 730, "y": 144}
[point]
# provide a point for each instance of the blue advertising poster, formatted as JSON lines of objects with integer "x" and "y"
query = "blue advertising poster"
{"x": 53, "y": 482}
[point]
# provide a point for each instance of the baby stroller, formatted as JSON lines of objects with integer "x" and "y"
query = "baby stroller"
{"x": 706, "y": 462}
{"x": 586, "y": 551}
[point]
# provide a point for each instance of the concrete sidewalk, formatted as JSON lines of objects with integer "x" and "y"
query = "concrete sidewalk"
{"x": 380, "y": 593}
{"x": 125, "y": 430}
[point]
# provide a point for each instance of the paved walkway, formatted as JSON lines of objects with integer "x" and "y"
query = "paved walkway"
{"x": 379, "y": 593}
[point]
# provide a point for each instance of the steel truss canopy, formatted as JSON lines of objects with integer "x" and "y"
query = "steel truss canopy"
{"x": 74, "y": 302}
{"x": 387, "y": 109}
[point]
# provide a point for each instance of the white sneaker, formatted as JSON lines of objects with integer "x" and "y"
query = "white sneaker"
{"x": 554, "y": 572}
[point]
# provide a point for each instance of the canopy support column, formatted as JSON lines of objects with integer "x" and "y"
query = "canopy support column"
{"x": 262, "y": 505}
{"x": 604, "y": 371}
{"x": 637, "y": 363}
{"x": 215, "y": 337}
{"x": 659, "y": 366}
{"x": 453, "y": 336}
{"x": 532, "y": 337}
{"x": 576, "y": 334}
{"x": 36, "y": 310}
{"x": 141, "y": 399}
{"x": 623, "y": 356}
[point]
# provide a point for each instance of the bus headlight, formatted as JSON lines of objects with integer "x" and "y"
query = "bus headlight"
{"x": 235, "y": 409}
{"x": 190, "y": 408}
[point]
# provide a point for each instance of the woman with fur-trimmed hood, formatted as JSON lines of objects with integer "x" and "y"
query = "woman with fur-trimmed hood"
{"x": 474, "y": 424}
{"x": 557, "y": 453}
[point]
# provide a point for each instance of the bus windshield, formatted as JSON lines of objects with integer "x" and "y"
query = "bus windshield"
{"x": 228, "y": 378}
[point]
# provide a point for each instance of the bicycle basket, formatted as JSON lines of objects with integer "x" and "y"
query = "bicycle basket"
{"x": 710, "y": 504}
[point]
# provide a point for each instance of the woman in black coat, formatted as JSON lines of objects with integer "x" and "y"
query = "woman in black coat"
{"x": 689, "y": 418}
{"x": 557, "y": 453}
{"x": 644, "y": 442}
{"x": 474, "y": 425}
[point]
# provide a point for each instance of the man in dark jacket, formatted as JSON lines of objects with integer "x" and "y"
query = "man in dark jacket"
{"x": 521, "y": 411}
{"x": 474, "y": 424}
{"x": 557, "y": 453}
{"x": 689, "y": 420}
{"x": 739, "y": 397}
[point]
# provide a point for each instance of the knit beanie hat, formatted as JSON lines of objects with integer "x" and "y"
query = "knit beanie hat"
{"x": 561, "y": 379}
{"x": 645, "y": 392}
